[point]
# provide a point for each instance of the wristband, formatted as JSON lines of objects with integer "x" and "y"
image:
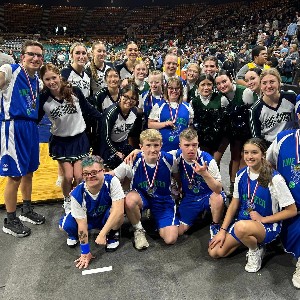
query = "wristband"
{"x": 85, "y": 248}
{"x": 223, "y": 229}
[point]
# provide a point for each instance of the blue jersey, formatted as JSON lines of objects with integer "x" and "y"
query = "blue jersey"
{"x": 95, "y": 209}
{"x": 262, "y": 199}
{"x": 18, "y": 100}
{"x": 198, "y": 186}
{"x": 288, "y": 161}
{"x": 170, "y": 136}
{"x": 162, "y": 182}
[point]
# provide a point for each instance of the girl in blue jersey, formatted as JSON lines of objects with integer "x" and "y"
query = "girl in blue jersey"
{"x": 261, "y": 200}
{"x": 171, "y": 116}
{"x": 65, "y": 106}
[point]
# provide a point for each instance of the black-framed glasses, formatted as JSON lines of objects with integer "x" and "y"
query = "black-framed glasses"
{"x": 38, "y": 55}
{"x": 174, "y": 88}
{"x": 133, "y": 100}
{"x": 92, "y": 173}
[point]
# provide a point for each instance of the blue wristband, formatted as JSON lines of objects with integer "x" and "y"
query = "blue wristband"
{"x": 85, "y": 248}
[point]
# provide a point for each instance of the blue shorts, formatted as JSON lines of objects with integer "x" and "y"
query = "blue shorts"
{"x": 19, "y": 144}
{"x": 163, "y": 210}
{"x": 290, "y": 235}
{"x": 272, "y": 232}
{"x": 69, "y": 225}
{"x": 191, "y": 207}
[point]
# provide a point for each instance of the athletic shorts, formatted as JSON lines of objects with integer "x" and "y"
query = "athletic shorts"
{"x": 191, "y": 207}
{"x": 19, "y": 152}
{"x": 272, "y": 232}
{"x": 162, "y": 209}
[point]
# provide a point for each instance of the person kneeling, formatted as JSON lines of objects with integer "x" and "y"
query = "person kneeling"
{"x": 259, "y": 192}
{"x": 98, "y": 202}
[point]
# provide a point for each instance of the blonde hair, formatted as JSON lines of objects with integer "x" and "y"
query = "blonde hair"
{"x": 150, "y": 135}
{"x": 194, "y": 65}
{"x": 271, "y": 71}
{"x": 92, "y": 65}
{"x": 188, "y": 134}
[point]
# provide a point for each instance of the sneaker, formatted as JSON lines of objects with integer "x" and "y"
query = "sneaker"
{"x": 72, "y": 242}
{"x": 32, "y": 217}
{"x": 112, "y": 241}
{"x": 16, "y": 228}
{"x": 214, "y": 229}
{"x": 296, "y": 276}
{"x": 254, "y": 259}
{"x": 140, "y": 241}
{"x": 67, "y": 204}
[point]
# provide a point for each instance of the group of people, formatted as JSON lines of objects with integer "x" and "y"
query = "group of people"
{"x": 119, "y": 109}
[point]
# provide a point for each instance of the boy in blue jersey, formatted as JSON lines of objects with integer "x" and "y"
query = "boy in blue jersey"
{"x": 150, "y": 176}
{"x": 19, "y": 151}
{"x": 98, "y": 202}
{"x": 284, "y": 153}
{"x": 201, "y": 183}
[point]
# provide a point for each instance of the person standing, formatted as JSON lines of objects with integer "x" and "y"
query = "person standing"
{"x": 19, "y": 152}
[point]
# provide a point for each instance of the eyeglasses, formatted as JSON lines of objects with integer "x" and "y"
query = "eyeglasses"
{"x": 133, "y": 100}
{"x": 92, "y": 173}
{"x": 174, "y": 88}
{"x": 38, "y": 55}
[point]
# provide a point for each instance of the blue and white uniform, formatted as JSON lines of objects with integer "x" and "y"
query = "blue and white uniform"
{"x": 183, "y": 115}
{"x": 158, "y": 198}
{"x": 94, "y": 208}
{"x": 284, "y": 153}
{"x": 19, "y": 154}
{"x": 123, "y": 71}
{"x": 196, "y": 192}
{"x": 80, "y": 80}
{"x": 149, "y": 100}
{"x": 266, "y": 201}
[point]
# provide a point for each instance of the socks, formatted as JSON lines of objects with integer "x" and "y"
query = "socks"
{"x": 138, "y": 226}
{"x": 26, "y": 206}
{"x": 11, "y": 216}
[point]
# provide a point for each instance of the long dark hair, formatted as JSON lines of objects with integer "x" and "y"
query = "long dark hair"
{"x": 265, "y": 174}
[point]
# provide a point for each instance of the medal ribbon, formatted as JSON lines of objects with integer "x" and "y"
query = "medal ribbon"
{"x": 176, "y": 113}
{"x": 190, "y": 179}
{"x": 155, "y": 172}
{"x": 254, "y": 192}
{"x": 33, "y": 97}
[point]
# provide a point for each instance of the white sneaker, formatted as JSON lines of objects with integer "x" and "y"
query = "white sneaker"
{"x": 67, "y": 205}
{"x": 254, "y": 259}
{"x": 140, "y": 241}
{"x": 296, "y": 276}
{"x": 72, "y": 243}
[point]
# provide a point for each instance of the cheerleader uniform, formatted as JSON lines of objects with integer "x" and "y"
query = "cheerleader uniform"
{"x": 103, "y": 99}
{"x": 19, "y": 102}
{"x": 266, "y": 121}
{"x": 68, "y": 141}
{"x": 284, "y": 152}
{"x": 181, "y": 115}
{"x": 266, "y": 201}
{"x": 153, "y": 182}
{"x": 115, "y": 129}
{"x": 123, "y": 71}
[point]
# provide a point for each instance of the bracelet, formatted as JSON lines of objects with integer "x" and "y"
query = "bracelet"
{"x": 85, "y": 248}
{"x": 223, "y": 229}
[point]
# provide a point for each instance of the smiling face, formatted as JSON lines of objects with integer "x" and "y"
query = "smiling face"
{"x": 132, "y": 52}
{"x": 99, "y": 53}
{"x": 210, "y": 67}
{"x": 205, "y": 88}
{"x": 127, "y": 101}
{"x": 253, "y": 157}
{"x": 253, "y": 81}
{"x": 32, "y": 59}
{"x": 155, "y": 82}
{"x": 189, "y": 148}
{"x": 170, "y": 64}
{"x": 192, "y": 73}
{"x": 269, "y": 85}
{"x": 223, "y": 83}
{"x": 79, "y": 56}
{"x": 112, "y": 79}
{"x": 140, "y": 71}
{"x": 93, "y": 176}
{"x": 52, "y": 81}
{"x": 173, "y": 90}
